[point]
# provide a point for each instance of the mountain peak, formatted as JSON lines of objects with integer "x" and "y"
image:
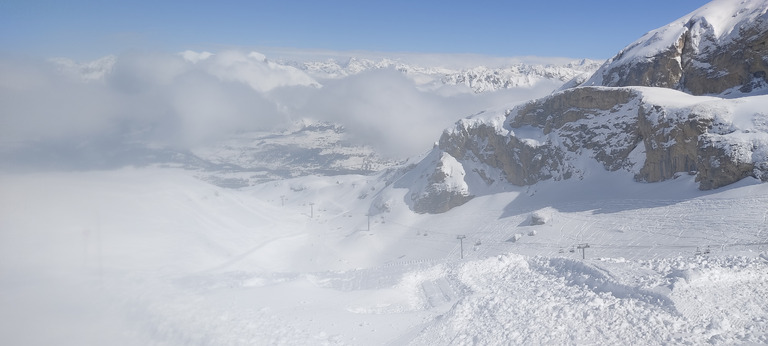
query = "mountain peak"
{"x": 717, "y": 49}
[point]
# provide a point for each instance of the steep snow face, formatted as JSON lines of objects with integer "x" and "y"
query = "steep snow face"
{"x": 652, "y": 134}
{"x": 719, "y": 48}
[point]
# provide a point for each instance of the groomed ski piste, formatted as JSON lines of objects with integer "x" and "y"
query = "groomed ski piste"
{"x": 155, "y": 256}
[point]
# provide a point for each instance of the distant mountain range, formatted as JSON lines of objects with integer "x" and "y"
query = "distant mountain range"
{"x": 478, "y": 78}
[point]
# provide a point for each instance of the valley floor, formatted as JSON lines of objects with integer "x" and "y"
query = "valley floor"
{"x": 156, "y": 256}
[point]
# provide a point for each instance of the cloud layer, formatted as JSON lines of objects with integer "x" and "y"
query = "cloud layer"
{"x": 190, "y": 99}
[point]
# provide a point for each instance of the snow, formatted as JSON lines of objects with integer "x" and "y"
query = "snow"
{"x": 531, "y": 135}
{"x": 673, "y": 98}
{"x": 724, "y": 17}
{"x": 454, "y": 174}
{"x": 155, "y": 256}
{"x": 721, "y": 18}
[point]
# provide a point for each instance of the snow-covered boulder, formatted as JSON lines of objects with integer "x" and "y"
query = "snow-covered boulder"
{"x": 540, "y": 217}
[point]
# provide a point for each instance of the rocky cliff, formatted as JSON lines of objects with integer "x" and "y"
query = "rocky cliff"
{"x": 653, "y": 134}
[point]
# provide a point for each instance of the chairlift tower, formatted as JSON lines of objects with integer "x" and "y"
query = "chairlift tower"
{"x": 582, "y": 247}
{"x": 311, "y": 210}
{"x": 461, "y": 244}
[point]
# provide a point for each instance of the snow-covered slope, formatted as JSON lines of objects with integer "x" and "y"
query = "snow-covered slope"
{"x": 154, "y": 256}
{"x": 719, "y": 48}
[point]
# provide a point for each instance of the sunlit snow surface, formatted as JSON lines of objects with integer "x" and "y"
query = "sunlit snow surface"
{"x": 156, "y": 256}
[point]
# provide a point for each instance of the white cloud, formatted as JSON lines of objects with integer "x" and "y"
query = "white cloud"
{"x": 186, "y": 99}
{"x": 253, "y": 69}
{"x": 195, "y": 57}
{"x": 382, "y": 108}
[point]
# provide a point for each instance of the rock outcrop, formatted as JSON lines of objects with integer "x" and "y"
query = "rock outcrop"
{"x": 539, "y": 140}
{"x": 636, "y": 130}
{"x": 440, "y": 185}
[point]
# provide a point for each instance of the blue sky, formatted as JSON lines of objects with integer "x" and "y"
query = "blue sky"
{"x": 88, "y": 29}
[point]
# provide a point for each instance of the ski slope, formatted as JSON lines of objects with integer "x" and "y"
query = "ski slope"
{"x": 154, "y": 256}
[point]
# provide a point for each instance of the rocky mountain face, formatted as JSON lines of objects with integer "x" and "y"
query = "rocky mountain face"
{"x": 640, "y": 113}
{"x": 720, "y": 48}
{"x": 638, "y": 130}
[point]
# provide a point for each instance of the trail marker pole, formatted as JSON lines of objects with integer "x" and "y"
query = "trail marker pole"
{"x": 461, "y": 244}
{"x": 311, "y": 210}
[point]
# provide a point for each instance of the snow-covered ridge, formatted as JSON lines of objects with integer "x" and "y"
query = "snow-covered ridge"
{"x": 713, "y": 50}
{"x": 716, "y": 23}
{"x": 478, "y": 78}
